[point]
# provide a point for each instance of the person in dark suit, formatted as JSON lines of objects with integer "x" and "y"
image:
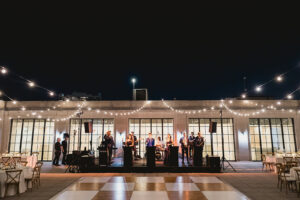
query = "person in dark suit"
{"x": 184, "y": 147}
{"x": 150, "y": 141}
{"x": 199, "y": 142}
{"x": 57, "y": 152}
{"x": 191, "y": 144}
{"x": 64, "y": 144}
{"x": 109, "y": 143}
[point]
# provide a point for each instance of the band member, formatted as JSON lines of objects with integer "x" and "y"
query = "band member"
{"x": 150, "y": 141}
{"x": 159, "y": 144}
{"x": 169, "y": 143}
{"x": 109, "y": 143}
{"x": 129, "y": 141}
{"x": 199, "y": 142}
{"x": 184, "y": 147}
{"x": 191, "y": 144}
{"x": 64, "y": 144}
{"x": 135, "y": 143}
{"x": 57, "y": 149}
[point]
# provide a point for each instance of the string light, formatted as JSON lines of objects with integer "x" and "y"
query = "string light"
{"x": 244, "y": 95}
{"x": 31, "y": 84}
{"x": 3, "y": 70}
{"x": 258, "y": 89}
{"x": 289, "y": 96}
{"x": 279, "y": 78}
{"x": 51, "y": 93}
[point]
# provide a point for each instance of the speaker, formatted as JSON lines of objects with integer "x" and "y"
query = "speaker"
{"x": 213, "y": 127}
{"x": 88, "y": 127}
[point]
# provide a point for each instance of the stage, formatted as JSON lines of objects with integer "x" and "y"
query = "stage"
{"x": 140, "y": 166}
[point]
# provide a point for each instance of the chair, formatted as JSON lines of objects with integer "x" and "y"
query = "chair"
{"x": 298, "y": 181}
{"x": 291, "y": 164}
{"x": 286, "y": 179}
{"x": 23, "y": 163}
{"x": 297, "y": 159}
{"x": 264, "y": 162}
{"x": 5, "y": 160}
{"x": 12, "y": 178}
{"x": 16, "y": 159}
{"x": 287, "y": 159}
{"x": 37, "y": 173}
{"x": 278, "y": 167}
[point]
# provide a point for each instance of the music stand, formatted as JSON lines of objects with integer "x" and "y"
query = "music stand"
{"x": 223, "y": 160}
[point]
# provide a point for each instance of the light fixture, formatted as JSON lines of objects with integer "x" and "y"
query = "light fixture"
{"x": 67, "y": 100}
{"x": 258, "y": 89}
{"x": 23, "y": 108}
{"x": 230, "y": 101}
{"x": 278, "y": 103}
{"x": 133, "y": 80}
{"x": 31, "y": 84}
{"x": 51, "y": 93}
{"x": 14, "y": 102}
{"x": 244, "y": 96}
{"x": 3, "y": 70}
{"x": 279, "y": 78}
{"x": 289, "y": 96}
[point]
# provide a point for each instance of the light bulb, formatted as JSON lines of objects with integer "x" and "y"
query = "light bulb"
{"x": 51, "y": 93}
{"x": 14, "y": 102}
{"x": 258, "y": 88}
{"x": 278, "y": 103}
{"x": 289, "y": 96}
{"x": 3, "y": 70}
{"x": 279, "y": 78}
{"x": 31, "y": 84}
{"x": 244, "y": 96}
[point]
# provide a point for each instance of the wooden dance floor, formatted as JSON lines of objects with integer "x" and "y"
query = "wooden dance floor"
{"x": 150, "y": 187}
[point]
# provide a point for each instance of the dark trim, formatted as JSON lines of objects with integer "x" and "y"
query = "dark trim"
{"x": 295, "y": 144}
{"x": 271, "y": 134}
{"x": 21, "y": 135}
{"x": 32, "y": 135}
{"x": 233, "y": 135}
{"x": 42, "y": 158}
{"x": 79, "y": 136}
{"x": 258, "y": 123}
{"x": 11, "y": 124}
{"x": 282, "y": 134}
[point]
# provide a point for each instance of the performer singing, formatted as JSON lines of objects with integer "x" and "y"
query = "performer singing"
{"x": 135, "y": 143}
{"x": 169, "y": 143}
{"x": 199, "y": 142}
{"x": 109, "y": 143}
{"x": 184, "y": 147}
{"x": 191, "y": 145}
{"x": 150, "y": 141}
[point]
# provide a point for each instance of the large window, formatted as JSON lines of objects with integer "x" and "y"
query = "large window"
{"x": 270, "y": 136}
{"x": 32, "y": 135}
{"x": 158, "y": 127}
{"x": 79, "y": 140}
{"x": 213, "y": 142}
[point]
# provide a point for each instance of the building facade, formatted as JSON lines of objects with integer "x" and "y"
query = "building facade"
{"x": 245, "y": 128}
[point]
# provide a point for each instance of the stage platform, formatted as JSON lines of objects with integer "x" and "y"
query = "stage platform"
{"x": 139, "y": 166}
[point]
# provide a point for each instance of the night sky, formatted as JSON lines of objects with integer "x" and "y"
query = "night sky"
{"x": 184, "y": 57}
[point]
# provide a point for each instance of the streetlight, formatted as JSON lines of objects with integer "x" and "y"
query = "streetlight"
{"x": 133, "y": 80}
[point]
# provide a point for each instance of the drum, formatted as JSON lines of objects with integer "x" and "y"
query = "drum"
{"x": 157, "y": 155}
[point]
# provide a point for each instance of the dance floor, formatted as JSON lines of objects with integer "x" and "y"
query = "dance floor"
{"x": 150, "y": 187}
